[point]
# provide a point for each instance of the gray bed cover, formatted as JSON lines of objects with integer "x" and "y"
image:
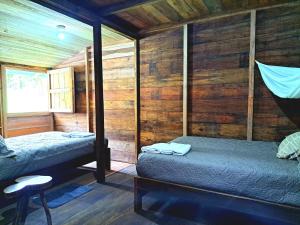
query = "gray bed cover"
{"x": 243, "y": 168}
{"x": 41, "y": 150}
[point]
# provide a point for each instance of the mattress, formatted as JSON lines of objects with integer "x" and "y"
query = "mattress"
{"x": 238, "y": 167}
{"x": 41, "y": 150}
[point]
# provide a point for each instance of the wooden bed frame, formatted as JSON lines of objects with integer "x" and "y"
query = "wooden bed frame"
{"x": 56, "y": 170}
{"x": 281, "y": 212}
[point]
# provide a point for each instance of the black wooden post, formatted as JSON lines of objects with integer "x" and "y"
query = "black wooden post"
{"x": 137, "y": 96}
{"x": 98, "y": 77}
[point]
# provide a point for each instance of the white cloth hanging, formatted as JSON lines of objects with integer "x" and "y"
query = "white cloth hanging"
{"x": 282, "y": 81}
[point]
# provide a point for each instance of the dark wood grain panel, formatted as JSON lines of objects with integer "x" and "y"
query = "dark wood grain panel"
{"x": 218, "y": 81}
{"x": 161, "y": 87}
{"x": 277, "y": 43}
{"x": 236, "y": 131}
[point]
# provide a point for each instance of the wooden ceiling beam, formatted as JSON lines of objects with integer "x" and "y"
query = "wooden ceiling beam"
{"x": 219, "y": 15}
{"x": 120, "y": 26}
{"x": 123, "y": 6}
{"x": 69, "y": 9}
{"x": 84, "y": 15}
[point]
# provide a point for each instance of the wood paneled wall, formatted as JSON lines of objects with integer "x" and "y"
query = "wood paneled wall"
{"x": 218, "y": 75}
{"x": 277, "y": 43}
{"x": 74, "y": 121}
{"x": 161, "y": 60}
{"x": 22, "y": 125}
{"x": 119, "y": 100}
{"x": 218, "y": 78}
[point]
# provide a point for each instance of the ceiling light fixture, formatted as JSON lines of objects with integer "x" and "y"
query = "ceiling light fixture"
{"x": 61, "y": 32}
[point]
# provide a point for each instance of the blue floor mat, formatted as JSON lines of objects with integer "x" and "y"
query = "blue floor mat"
{"x": 64, "y": 195}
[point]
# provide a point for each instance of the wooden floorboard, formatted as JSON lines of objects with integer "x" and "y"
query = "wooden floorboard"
{"x": 112, "y": 204}
{"x": 115, "y": 165}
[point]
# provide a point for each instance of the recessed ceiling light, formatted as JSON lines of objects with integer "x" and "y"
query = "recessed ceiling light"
{"x": 61, "y": 27}
{"x": 61, "y": 33}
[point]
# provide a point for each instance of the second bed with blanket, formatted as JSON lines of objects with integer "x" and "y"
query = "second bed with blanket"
{"x": 237, "y": 167}
{"x": 42, "y": 150}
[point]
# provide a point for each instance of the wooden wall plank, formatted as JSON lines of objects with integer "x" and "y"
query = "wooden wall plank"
{"x": 161, "y": 87}
{"x": 22, "y": 125}
{"x": 218, "y": 82}
{"x": 67, "y": 122}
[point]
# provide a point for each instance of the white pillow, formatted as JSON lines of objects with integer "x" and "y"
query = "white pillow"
{"x": 289, "y": 147}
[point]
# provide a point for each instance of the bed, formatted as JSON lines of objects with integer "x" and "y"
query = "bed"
{"x": 45, "y": 150}
{"x": 232, "y": 168}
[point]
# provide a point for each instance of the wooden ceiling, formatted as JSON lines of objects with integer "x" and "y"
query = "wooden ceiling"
{"x": 150, "y": 15}
{"x": 28, "y": 35}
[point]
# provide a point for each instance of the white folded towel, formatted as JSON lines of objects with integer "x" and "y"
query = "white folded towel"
{"x": 78, "y": 134}
{"x": 167, "y": 148}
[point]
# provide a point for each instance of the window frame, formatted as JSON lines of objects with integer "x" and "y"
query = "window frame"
{"x": 4, "y": 68}
{"x": 69, "y": 71}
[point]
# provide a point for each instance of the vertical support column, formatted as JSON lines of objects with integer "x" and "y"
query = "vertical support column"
{"x": 3, "y": 101}
{"x": 137, "y": 96}
{"x": 185, "y": 78}
{"x": 251, "y": 75}
{"x": 99, "y": 105}
{"x": 87, "y": 88}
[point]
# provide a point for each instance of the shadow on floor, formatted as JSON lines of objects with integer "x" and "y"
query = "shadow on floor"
{"x": 158, "y": 208}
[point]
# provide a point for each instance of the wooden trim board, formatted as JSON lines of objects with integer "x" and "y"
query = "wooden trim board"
{"x": 251, "y": 76}
{"x": 185, "y": 78}
{"x": 29, "y": 114}
{"x": 3, "y": 102}
{"x": 137, "y": 97}
{"x": 87, "y": 88}
{"x": 4, "y": 99}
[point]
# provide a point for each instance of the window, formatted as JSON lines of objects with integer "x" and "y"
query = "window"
{"x": 26, "y": 91}
{"x": 33, "y": 92}
{"x": 61, "y": 90}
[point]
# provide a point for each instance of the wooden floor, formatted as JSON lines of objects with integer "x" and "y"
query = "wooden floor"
{"x": 115, "y": 165}
{"x": 112, "y": 203}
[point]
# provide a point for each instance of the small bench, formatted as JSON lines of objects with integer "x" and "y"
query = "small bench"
{"x": 23, "y": 189}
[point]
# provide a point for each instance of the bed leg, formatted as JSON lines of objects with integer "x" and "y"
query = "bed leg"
{"x": 107, "y": 159}
{"x": 138, "y": 194}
